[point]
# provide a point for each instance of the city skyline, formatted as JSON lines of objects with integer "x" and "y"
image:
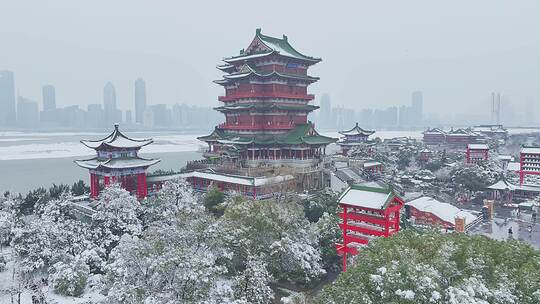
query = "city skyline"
{"x": 369, "y": 62}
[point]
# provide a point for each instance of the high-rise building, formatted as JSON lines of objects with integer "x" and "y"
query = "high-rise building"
{"x": 129, "y": 117}
{"x": 112, "y": 114}
{"x": 27, "y": 113}
{"x": 95, "y": 117}
{"x": 140, "y": 100}
{"x": 326, "y": 112}
{"x": 50, "y": 114}
{"x": 7, "y": 99}
{"x": 417, "y": 108}
{"x": 49, "y": 98}
{"x": 162, "y": 115}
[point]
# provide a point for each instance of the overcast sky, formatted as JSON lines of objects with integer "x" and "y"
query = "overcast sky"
{"x": 375, "y": 53}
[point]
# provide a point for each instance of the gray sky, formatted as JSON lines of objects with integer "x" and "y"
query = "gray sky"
{"x": 375, "y": 53}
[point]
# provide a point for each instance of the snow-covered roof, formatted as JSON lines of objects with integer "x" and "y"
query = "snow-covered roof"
{"x": 444, "y": 211}
{"x": 116, "y": 163}
{"x": 434, "y": 131}
{"x": 356, "y": 130}
{"x": 117, "y": 140}
{"x": 505, "y": 157}
{"x": 502, "y": 185}
{"x": 228, "y": 178}
{"x": 514, "y": 166}
{"x": 530, "y": 150}
{"x": 367, "y": 197}
{"x": 478, "y": 147}
{"x": 371, "y": 163}
{"x": 490, "y": 129}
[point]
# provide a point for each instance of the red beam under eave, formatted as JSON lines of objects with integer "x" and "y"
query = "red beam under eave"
{"x": 364, "y": 218}
{"x": 354, "y": 239}
{"x": 341, "y": 249}
{"x": 531, "y": 172}
{"x": 363, "y": 230}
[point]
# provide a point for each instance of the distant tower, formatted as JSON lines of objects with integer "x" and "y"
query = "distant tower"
{"x": 326, "y": 111}
{"x": 496, "y": 108}
{"x": 109, "y": 103}
{"x": 7, "y": 99}
{"x": 417, "y": 108}
{"x": 27, "y": 113}
{"x": 140, "y": 100}
{"x": 49, "y": 98}
{"x": 129, "y": 117}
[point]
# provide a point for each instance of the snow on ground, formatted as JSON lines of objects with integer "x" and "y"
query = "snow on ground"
{"x": 66, "y": 144}
{"x": 6, "y": 283}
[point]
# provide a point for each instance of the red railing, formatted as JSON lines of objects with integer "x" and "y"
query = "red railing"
{"x": 257, "y": 127}
{"x": 265, "y": 95}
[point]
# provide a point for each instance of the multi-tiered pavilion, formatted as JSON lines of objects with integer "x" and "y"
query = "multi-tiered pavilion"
{"x": 117, "y": 161}
{"x": 353, "y": 138}
{"x": 266, "y": 107}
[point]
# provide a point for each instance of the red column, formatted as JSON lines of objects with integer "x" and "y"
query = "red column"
{"x": 92, "y": 185}
{"x": 142, "y": 190}
{"x": 386, "y": 224}
{"x": 344, "y": 238}
{"x": 397, "y": 221}
{"x": 106, "y": 180}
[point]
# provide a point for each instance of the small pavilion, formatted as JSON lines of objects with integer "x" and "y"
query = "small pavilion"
{"x": 117, "y": 161}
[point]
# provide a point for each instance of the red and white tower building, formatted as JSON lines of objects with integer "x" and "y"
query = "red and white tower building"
{"x": 266, "y": 106}
{"x": 367, "y": 213}
{"x": 529, "y": 159}
{"x": 117, "y": 161}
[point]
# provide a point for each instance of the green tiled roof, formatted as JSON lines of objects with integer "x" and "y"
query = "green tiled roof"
{"x": 301, "y": 134}
{"x": 279, "y": 46}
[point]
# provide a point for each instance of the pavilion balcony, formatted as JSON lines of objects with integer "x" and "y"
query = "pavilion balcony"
{"x": 294, "y": 162}
{"x": 265, "y": 95}
{"x": 285, "y": 126}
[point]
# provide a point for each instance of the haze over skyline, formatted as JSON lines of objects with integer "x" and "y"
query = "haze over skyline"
{"x": 375, "y": 54}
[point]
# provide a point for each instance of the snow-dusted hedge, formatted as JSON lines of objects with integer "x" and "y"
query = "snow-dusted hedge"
{"x": 438, "y": 268}
{"x": 69, "y": 279}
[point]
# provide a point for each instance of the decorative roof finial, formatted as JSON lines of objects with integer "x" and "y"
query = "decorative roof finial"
{"x": 258, "y": 31}
{"x": 285, "y": 37}
{"x": 116, "y": 126}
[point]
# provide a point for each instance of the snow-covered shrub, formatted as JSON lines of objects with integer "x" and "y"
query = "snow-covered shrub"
{"x": 2, "y": 263}
{"x": 439, "y": 268}
{"x": 69, "y": 279}
{"x": 252, "y": 285}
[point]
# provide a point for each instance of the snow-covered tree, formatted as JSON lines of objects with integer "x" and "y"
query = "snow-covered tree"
{"x": 439, "y": 268}
{"x": 277, "y": 232}
{"x": 117, "y": 214}
{"x": 49, "y": 236}
{"x": 69, "y": 277}
{"x": 329, "y": 235}
{"x": 252, "y": 285}
{"x": 8, "y": 218}
{"x": 178, "y": 258}
{"x": 176, "y": 197}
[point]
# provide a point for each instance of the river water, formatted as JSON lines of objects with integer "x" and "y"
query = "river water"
{"x": 30, "y": 160}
